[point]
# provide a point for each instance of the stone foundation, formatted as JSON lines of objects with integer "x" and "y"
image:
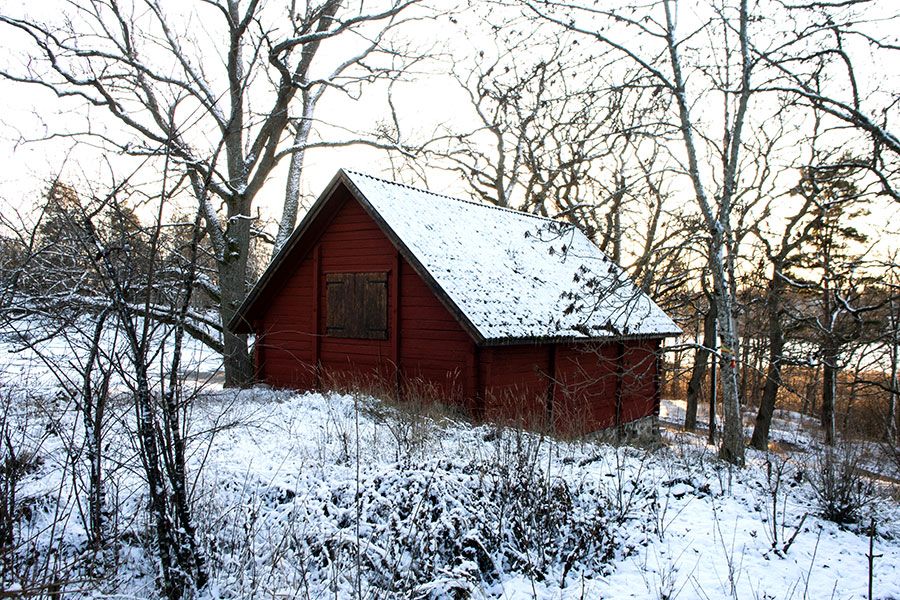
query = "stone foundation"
{"x": 638, "y": 432}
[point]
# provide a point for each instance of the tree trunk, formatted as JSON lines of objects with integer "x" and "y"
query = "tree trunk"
{"x": 233, "y": 289}
{"x": 717, "y": 226}
{"x": 173, "y": 579}
{"x": 732, "y": 448}
{"x": 93, "y": 404}
{"x": 890, "y": 430}
{"x": 829, "y": 347}
{"x": 695, "y": 385}
{"x": 829, "y": 391}
{"x": 189, "y": 553}
{"x": 292, "y": 189}
{"x": 713, "y": 395}
{"x": 172, "y": 582}
{"x": 760, "y": 439}
{"x": 812, "y": 385}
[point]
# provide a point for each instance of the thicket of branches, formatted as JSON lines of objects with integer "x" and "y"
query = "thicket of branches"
{"x": 116, "y": 293}
{"x": 763, "y": 114}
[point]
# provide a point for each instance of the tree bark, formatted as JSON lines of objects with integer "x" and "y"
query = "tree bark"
{"x": 93, "y": 404}
{"x": 890, "y": 430}
{"x": 190, "y": 556}
{"x": 760, "y": 439}
{"x": 695, "y": 385}
{"x": 829, "y": 390}
{"x": 232, "y": 267}
{"x": 732, "y": 448}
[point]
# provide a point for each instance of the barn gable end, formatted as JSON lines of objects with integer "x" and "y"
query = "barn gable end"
{"x": 372, "y": 287}
{"x": 295, "y": 348}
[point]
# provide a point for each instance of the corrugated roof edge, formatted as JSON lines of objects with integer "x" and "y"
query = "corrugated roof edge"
{"x": 512, "y": 341}
{"x": 512, "y": 211}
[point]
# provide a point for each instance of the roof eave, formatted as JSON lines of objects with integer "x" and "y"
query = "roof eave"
{"x": 570, "y": 339}
{"x": 239, "y": 323}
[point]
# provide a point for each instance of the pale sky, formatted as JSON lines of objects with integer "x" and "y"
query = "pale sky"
{"x": 30, "y": 112}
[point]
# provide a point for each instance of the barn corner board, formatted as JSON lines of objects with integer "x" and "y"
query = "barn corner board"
{"x": 507, "y": 314}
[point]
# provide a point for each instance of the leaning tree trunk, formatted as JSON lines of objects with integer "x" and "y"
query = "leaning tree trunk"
{"x": 292, "y": 189}
{"x": 760, "y": 439}
{"x": 695, "y": 385}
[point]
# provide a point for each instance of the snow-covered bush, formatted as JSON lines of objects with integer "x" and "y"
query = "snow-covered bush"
{"x": 842, "y": 488}
{"x": 431, "y": 527}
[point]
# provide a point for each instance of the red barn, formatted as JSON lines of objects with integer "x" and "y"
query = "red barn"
{"x": 507, "y": 314}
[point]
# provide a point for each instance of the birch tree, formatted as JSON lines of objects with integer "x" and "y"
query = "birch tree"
{"x": 650, "y": 38}
{"x": 893, "y": 343}
{"x": 212, "y": 85}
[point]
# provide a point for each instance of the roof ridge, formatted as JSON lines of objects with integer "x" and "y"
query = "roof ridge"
{"x": 463, "y": 200}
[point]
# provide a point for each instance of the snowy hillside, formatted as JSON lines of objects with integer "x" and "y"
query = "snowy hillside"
{"x": 324, "y": 496}
{"x": 340, "y": 496}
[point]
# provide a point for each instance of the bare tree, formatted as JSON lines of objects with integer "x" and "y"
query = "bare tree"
{"x": 535, "y": 133}
{"x": 826, "y": 58}
{"x": 893, "y": 341}
{"x": 211, "y": 85}
{"x": 553, "y": 135}
{"x": 649, "y": 38}
{"x": 161, "y": 443}
{"x": 781, "y": 253}
{"x": 89, "y": 273}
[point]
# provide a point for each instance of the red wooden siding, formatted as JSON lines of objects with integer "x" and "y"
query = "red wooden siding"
{"x": 434, "y": 352}
{"x": 516, "y": 383}
{"x": 434, "y": 349}
{"x": 585, "y": 398}
{"x": 640, "y": 383}
{"x": 353, "y": 243}
{"x": 590, "y": 383}
{"x": 287, "y": 340}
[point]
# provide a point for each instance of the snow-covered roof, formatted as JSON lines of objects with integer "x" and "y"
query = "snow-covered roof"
{"x": 514, "y": 275}
{"x": 506, "y": 275}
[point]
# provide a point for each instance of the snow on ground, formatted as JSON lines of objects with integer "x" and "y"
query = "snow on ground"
{"x": 676, "y": 522}
{"x": 793, "y": 432}
{"x": 341, "y": 496}
{"x": 37, "y": 353}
